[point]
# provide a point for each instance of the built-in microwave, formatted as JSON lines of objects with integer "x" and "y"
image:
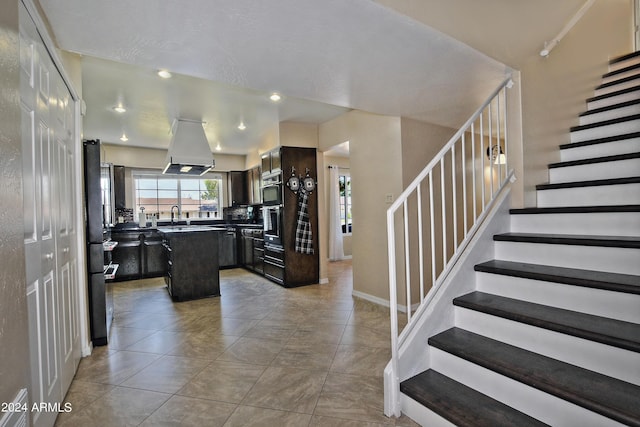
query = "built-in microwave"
{"x": 272, "y": 190}
{"x": 272, "y": 220}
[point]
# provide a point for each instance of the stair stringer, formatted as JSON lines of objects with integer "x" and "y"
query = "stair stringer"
{"x": 438, "y": 315}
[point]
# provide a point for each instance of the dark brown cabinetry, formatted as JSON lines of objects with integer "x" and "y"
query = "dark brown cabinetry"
{"x": 252, "y": 249}
{"x": 139, "y": 254}
{"x": 282, "y": 263}
{"x": 238, "y": 188}
{"x": 271, "y": 162}
{"x": 192, "y": 263}
{"x": 119, "y": 187}
{"x": 255, "y": 177}
{"x": 244, "y": 187}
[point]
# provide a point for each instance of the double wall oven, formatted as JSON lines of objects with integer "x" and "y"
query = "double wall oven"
{"x": 272, "y": 195}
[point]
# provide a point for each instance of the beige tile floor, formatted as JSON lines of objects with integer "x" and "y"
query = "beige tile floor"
{"x": 259, "y": 355}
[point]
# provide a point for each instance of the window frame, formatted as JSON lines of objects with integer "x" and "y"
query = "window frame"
{"x": 155, "y": 175}
{"x": 347, "y": 201}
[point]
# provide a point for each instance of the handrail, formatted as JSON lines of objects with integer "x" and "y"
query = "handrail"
{"x": 548, "y": 47}
{"x": 487, "y": 130}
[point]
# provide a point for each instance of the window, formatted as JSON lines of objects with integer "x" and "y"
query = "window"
{"x": 197, "y": 198}
{"x": 345, "y": 203}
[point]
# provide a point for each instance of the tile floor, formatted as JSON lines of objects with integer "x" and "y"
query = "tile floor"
{"x": 259, "y": 355}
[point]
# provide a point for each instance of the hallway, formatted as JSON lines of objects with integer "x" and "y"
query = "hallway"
{"x": 260, "y": 355}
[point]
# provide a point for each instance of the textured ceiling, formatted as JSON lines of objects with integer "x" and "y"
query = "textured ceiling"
{"x": 351, "y": 54}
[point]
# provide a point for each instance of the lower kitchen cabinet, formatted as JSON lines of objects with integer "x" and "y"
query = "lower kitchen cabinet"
{"x": 227, "y": 248}
{"x": 274, "y": 263}
{"x": 139, "y": 254}
{"x": 192, "y": 263}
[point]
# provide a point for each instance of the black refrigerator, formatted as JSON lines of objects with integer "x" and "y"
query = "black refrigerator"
{"x": 100, "y": 294}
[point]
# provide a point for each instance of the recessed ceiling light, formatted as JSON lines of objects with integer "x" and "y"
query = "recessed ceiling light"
{"x": 275, "y": 97}
{"x": 164, "y": 74}
{"x": 124, "y": 138}
{"x": 119, "y": 109}
{"x": 218, "y": 147}
{"x": 241, "y": 126}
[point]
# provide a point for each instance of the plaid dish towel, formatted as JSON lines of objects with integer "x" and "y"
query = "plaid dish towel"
{"x": 304, "y": 237}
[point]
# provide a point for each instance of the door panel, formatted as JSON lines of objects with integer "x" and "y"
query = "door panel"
{"x": 49, "y": 156}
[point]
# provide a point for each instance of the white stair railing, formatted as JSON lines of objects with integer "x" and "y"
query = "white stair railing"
{"x": 450, "y": 197}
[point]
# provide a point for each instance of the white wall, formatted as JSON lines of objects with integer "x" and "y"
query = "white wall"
{"x": 554, "y": 89}
{"x": 376, "y": 170}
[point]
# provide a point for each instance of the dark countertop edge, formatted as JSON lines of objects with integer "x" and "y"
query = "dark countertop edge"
{"x": 190, "y": 229}
{"x": 224, "y": 225}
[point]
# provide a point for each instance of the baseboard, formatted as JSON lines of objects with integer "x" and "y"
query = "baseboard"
{"x": 381, "y": 301}
{"x": 324, "y": 281}
{"x": 344, "y": 258}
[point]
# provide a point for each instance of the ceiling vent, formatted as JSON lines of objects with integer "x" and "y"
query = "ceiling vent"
{"x": 189, "y": 152}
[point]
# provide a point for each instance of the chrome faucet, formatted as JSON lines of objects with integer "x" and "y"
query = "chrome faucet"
{"x": 178, "y": 209}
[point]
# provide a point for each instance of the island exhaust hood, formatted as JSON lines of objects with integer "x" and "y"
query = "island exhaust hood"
{"x": 189, "y": 152}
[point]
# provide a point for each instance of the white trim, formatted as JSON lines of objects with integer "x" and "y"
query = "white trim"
{"x": 636, "y": 26}
{"x": 382, "y": 302}
{"x": 324, "y": 281}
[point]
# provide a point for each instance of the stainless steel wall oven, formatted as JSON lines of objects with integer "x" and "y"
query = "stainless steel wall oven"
{"x": 272, "y": 220}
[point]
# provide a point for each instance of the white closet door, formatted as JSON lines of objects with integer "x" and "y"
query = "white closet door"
{"x": 48, "y": 155}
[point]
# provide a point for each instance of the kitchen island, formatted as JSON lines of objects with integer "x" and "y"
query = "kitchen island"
{"x": 192, "y": 261}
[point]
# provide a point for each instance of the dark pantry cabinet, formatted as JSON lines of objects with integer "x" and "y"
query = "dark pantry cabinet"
{"x": 282, "y": 264}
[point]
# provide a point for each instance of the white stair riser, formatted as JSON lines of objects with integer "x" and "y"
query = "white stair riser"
{"x": 421, "y": 414}
{"x": 619, "y": 76}
{"x": 601, "y": 195}
{"x": 604, "y": 170}
{"x": 599, "y": 302}
{"x": 624, "y": 64}
{"x": 613, "y": 260}
{"x": 605, "y": 131}
{"x": 629, "y": 110}
{"x": 594, "y": 223}
{"x": 612, "y": 361}
{"x": 542, "y": 406}
{"x": 612, "y": 148}
{"x": 612, "y": 100}
{"x": 617, "y": 87}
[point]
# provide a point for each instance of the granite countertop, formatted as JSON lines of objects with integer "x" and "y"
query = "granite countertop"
{"x": 189, "y": 228}
{"x": 127, "y": 228}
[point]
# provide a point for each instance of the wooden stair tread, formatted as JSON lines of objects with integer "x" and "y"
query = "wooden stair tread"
{"x": 600, "y": 140}
{"x": 610, "y": 107}
{"x": 594, "y": 160}
{"x": 599, "y": 393}
{"x": 616, "y": 282}
{"x": 570, "y": 239}
{"x": 460, "y": 404}
{"x": 624, "y": 57}
{"x": 606, "y": 122}
{"x": 616, "y": 93}
{"x": 616, "y": 82}
{"x": 622, "y": 70}
{"x": 576, "y": 209}
{"x": 604, "y": 330}
{"x": 590, "y": 183}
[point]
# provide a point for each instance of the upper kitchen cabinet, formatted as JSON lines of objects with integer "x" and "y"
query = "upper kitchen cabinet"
{"x": 271, "y": 162}
{"x": 238, "y": 188}
{"x": 119, "y": 187}
{"x": 255, "y": 176}
{"x": 245, "y": 187}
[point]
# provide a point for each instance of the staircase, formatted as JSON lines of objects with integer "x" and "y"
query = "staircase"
{"x": 551, "y": 334}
